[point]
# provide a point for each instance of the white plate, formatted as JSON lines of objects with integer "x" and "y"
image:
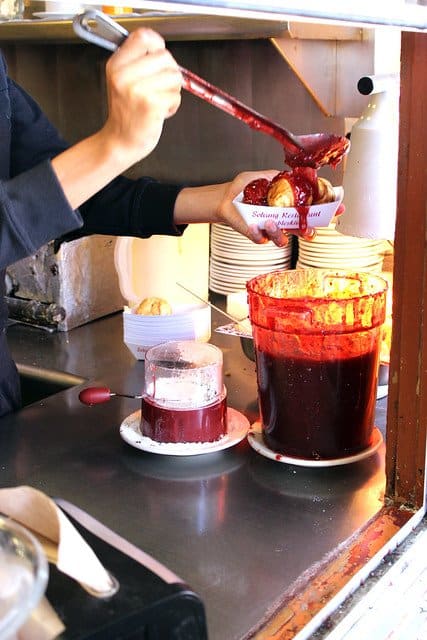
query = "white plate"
{"x": 351, "y": 254}
{"x": 338, "y": 249}
{"x": 329, "y": 236}
{"x": 336, "y": 264}
{"x": 237, "y": 239}
{"x": 382, "y": 391}
{"x": 249, "y": 256}
{"x": 373, "y": 268}
{"x": 345, "y": 257}
{"x": 257, "y": 443}
{"x": 244, "y": 260}
{"x": 242, "y": 274}
{"x": 232, "y": 245}
{"x": 224, "y": 290}
{"x": 237, "y": 425}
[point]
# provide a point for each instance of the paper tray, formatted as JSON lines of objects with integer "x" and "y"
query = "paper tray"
{"x": 318, "y": 215}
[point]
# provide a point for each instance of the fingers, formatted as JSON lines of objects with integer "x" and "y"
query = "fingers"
{"x": 309, "y": 234}
{"x": 143, "y": 57}
{"x": 257, "y": 235}
{"x": 280, "y": 237}
{"x": 138, "y": 44}
{"x": 271, "y": 232}
{"x": 144, "y": 86}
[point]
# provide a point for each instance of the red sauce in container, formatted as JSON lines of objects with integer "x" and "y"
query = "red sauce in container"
{"x": 205, "y": 424}
{"x": 317, "y": 410}
{"x": 317, "y": 343}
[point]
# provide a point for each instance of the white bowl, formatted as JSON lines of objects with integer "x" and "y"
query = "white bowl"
{"x": 187, "y": 322}
{"x": 319, "y": 215}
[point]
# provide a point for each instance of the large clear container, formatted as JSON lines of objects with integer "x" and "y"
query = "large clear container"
{"x": 184, "y": 398}
{"x": 317, "y": 343}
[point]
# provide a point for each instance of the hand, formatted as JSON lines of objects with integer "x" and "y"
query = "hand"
{"x": 228, "y": 214}
{"x": 214, "y": 203}
{"x": 144, "y": 88}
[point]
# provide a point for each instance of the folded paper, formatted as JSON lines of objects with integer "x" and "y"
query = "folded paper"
{"x": 62, "y": 543}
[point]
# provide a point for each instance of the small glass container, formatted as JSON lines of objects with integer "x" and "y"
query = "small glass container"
{"x": 184, "y": 398}
{"x": 23, "y": 576}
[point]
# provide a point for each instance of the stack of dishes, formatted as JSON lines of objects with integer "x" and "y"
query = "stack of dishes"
{"x": 332, "y": 250}
{"x": 187, "y": 322}
{"x": 235, "y": 259}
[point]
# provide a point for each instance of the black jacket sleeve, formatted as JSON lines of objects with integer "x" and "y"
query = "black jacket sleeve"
{"x": 33, "y": 207}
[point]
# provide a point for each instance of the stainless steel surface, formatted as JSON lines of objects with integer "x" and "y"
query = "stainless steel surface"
{"x": 186, "y": 26}
{"x": 239, "y": 528}
{"x": 38, "y": 383}
{"x": 180, "y": 18}
{"x": 248, "y": 347}
{"x": 62, "y": 289}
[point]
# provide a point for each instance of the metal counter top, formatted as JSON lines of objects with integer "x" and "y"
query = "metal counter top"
{"x": 238, "y": 528}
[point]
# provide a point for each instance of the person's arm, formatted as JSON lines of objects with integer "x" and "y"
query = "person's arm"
{"x": 214, "y": 203}
{"x": 144, "y": 88}
{"x": 39, "y": 196}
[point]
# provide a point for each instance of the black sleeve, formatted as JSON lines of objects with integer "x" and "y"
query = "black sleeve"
{"x": 33, "y": 206}
{"x": 125, "y": 207}
{"x": 138, "y": 208}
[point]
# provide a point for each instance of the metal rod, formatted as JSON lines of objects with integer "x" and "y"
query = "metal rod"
{"x": 210, "y": 304}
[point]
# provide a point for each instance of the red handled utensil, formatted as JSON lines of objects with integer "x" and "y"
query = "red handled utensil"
{"x": 98, "y": 395}
{"x": 312, "y": 150}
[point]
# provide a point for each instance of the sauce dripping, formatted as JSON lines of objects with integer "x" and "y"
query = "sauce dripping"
{"x": 312, "y": 150}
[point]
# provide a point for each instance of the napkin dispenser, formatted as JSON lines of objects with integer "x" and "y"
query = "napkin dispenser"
{"x": 151, "y": 603}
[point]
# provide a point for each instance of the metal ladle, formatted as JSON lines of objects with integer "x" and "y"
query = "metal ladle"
{"x": 313, "y": 150}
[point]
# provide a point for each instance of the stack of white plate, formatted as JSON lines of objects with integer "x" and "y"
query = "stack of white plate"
{"x": 234, "y": 259}
{"x": 332, "y": 250}
{"x": 187, "y": 322}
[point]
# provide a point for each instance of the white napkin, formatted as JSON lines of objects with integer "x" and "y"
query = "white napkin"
{"x": 63, "y": 546}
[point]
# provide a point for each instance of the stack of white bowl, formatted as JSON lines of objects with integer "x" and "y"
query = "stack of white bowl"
{"x": 332, "y": 250}
{"x": 187, "y": 322}
{"x": 234, "y": 259}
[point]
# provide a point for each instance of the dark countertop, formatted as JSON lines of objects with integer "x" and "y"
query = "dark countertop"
{"x": 237, "y": 527}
